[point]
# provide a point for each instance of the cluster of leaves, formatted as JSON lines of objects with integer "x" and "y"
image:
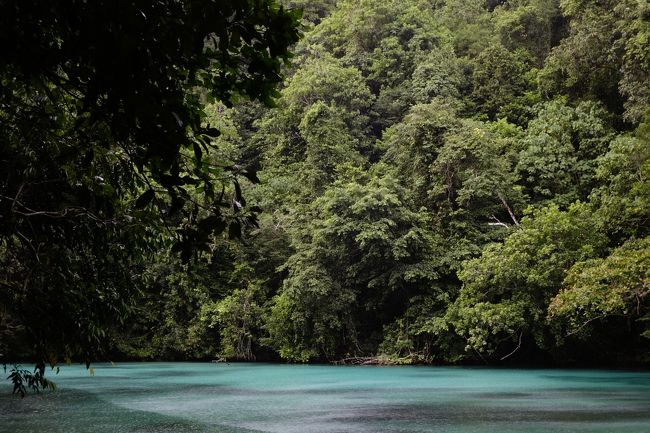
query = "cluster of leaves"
{"x": 25, "y": 380}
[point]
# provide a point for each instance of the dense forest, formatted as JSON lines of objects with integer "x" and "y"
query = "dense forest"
{"x": 434, "y": 181}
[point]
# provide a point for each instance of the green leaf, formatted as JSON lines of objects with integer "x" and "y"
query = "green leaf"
{"x": 198, "y": 153}
{"x": 234, "y": 230}
{"x": 144, "y": 199}
{"x": 212, "y": 132}
{"x": 213, "y": 223}
{"x": 251, "y": 175}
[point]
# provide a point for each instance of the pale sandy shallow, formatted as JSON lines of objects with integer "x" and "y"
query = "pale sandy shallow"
{"x": 220, "y": 398}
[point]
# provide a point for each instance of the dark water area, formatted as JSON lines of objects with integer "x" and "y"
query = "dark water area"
{"x": 222, "y": 398}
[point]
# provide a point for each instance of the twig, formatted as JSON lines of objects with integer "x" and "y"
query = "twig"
{"x": 584, "y": 324}
{"x": 13, "y": 205}
{"x": 516, "y": 348}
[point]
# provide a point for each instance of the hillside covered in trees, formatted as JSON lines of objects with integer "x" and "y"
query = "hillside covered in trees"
{"x": 440, "y": 181}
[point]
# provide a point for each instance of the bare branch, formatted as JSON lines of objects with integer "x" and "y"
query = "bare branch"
{"x": 498, "y": 222}
{"x": 585, "y": 324}
{"x": 516, "y": 348}
{"x": 69, "y": 211}
{"x": 13, "y": 205}
{"x": 505, "y": 204}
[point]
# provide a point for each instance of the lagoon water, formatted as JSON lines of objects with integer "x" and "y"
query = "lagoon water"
{"x": 247, "y": 398}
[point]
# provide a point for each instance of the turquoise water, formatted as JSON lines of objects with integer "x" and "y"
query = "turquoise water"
{"x": 238, "y": 398}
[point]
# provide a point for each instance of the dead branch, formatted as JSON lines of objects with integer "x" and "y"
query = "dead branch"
{"x": 505, "y": 204}
{"x": 516, "y": 348}
{"x": 498, "y": 222}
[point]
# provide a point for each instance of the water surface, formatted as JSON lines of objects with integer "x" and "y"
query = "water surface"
{"x": 247, "y": 398}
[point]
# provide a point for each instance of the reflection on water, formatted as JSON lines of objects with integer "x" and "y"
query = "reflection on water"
{"x": 240, "y": 398}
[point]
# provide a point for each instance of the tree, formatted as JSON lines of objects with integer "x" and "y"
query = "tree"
{"x": 501, "y": 80}
{"x": 314, "y": 11}
{"x": 597, "y": 289}
{"x": 412, "y": 145}
{"x": 622, "y": 199}
{"x": 362, "y": 254}
{"x": 237, "y": 316}
{"x": 506, "y": 291}
{"x": 385, "y": 41}
{"x": 437, "y": 75}
{"x": 321, "y": 85}
{"x": 471, "y": 25}
{"x": 431, "y": 175}
{"x": 473, "y": 179}
{"x": 605, "y": 57}
{"x": 103, "y": 154}
{"x": 603, "y": 300}
{"x": 534, "y": 25}
{"x": 560, "y": 151}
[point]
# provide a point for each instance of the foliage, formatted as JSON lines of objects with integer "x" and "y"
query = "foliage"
{"x": 499, "y": 127}
{"x": 411, "y": 146}
{"x": 506, "y": 290}
{"x": 605, "y": 56}
{"x": 623, "y": 198}
{"x": 437, "y": 181}
{"x": 500, "y": 82}
{"x": 238, "y": 317}
{"x": 615, "y": 285}
{"x": 104, "y": 151}
{"x": 531, "y": 25}
{"x": 25, "y": 380}
{"x": 560, "y": 151}
{"x": 362, "y": 249}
